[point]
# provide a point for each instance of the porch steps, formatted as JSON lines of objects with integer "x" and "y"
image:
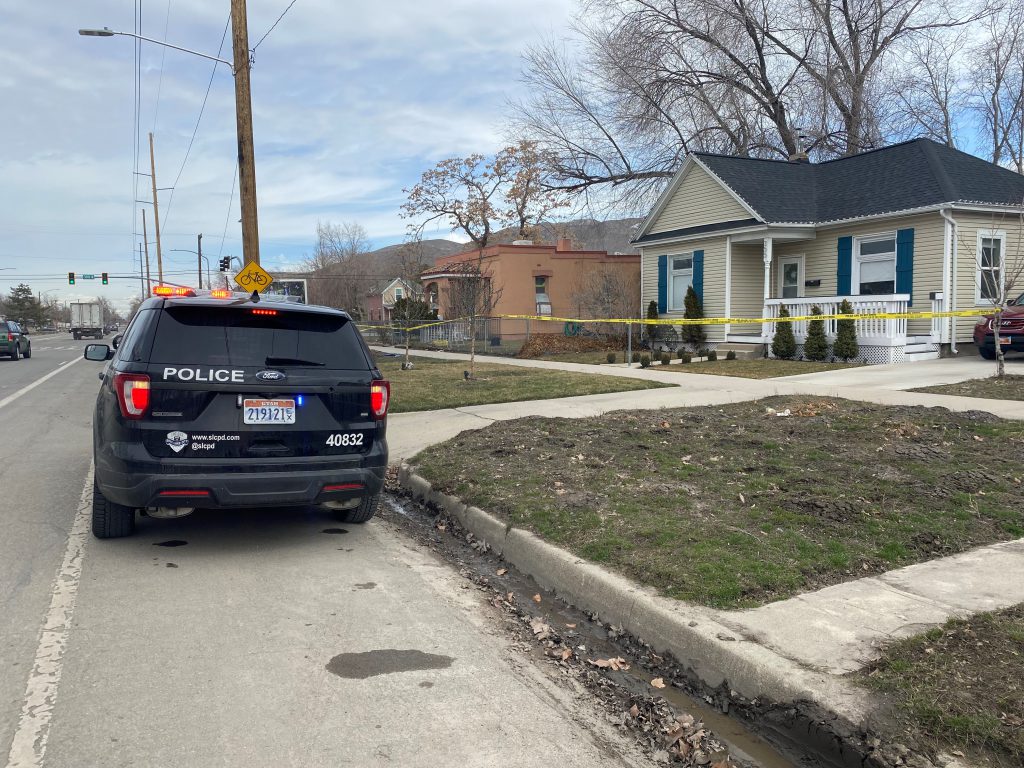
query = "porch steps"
{"x": 743, "y": 351}
{"x": 920, "y": 348}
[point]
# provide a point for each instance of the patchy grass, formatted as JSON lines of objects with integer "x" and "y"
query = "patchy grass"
{"x": 758, "y": 369}
{"x": 587, "y": 358}
{"x": 961, "y": 686}
{"x": 1007, "y": 388}
{"x": 435, "y": 384}
{"x": 735, "y": 506}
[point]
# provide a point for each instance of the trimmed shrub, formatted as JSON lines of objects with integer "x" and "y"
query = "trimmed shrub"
{"x": 730, "y": 355}
{"x": 816, "y": 345}
{"x": 693, "y": 334}
{"x": 654, "y": 333}
{"x": 712, "y": 355}
{"x": 685, "y": 357}
{"x": 666, "y": 358}
{"x": 645, "y": 360}
{"x": 846, "y": 346}
{"x": 610, "y": 357}
{"x": 784, "y": 343}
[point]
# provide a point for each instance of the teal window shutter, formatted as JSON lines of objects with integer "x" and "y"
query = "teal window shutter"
{"x": 698, "y": 274}
{"x": 662, "y": 284}
{"x": 844, "y": 269}
{"x": 905, "y": 263}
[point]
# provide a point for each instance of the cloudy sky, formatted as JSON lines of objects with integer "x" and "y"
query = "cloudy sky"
{"x": 351, "y": 102}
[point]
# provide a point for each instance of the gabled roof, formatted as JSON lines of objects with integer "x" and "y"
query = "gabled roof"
{"x": 912, "y": 175}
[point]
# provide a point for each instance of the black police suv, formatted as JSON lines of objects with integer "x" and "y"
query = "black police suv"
{"x": 232, "y": 403}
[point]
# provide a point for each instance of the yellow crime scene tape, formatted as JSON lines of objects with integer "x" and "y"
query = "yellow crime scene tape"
{"x": 703, "y": 320}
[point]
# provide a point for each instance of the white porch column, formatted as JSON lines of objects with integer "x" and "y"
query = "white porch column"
{"x": 728, "y": 285}
{"x": 767, "y": 255}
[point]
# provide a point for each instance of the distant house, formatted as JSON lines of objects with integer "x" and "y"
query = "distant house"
{"x": 916, "y": 226}
{"x": 380, "y": 301}
{"x": 529, "y": 279}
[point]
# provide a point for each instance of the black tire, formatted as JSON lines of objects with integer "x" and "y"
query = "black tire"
{"x": 28, "y": 352}
{"x": 367, "y": 508}
{"x": 110, "y": 520}
{"x": 988, "y": 354}
{"x": 15, "y": 351}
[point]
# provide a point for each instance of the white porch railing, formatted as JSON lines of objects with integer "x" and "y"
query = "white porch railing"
{"x": 938, "y": 305}
{"x": 885, "y": 332}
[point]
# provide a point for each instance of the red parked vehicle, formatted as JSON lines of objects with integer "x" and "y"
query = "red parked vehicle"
{"x": 1011, "y": 331}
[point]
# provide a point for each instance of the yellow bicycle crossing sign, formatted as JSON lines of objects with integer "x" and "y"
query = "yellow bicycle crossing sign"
{"x": 253, "y": 277}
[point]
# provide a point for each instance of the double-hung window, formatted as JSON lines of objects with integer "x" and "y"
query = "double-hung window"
{"x": 991, "y": 247}
{"x": 540, "y": 292}
{"x": 680, "y": 277}
{"x": 874, "y": 267}
{"x": 399, "y": 292}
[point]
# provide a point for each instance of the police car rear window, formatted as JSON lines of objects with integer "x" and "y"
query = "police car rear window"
{"x": 256, "y": 336}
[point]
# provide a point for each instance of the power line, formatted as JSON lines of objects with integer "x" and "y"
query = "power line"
{"x": 273, "y": 25}
{"x": 163, "y": 58}
{"x": 227, "y": 219}
{"x": 199, "y": 119}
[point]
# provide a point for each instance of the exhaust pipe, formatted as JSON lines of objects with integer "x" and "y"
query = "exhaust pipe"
{"x": 168, "y": 513}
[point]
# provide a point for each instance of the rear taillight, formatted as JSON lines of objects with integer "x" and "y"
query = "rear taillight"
{"x": 10, "y": 337}
{"x": 132, "y": 394}
{"x": 380, "y": 397}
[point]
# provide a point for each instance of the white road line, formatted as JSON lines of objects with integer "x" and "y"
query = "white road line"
{"x": 33, "y": 730}
{"x": 63, "y": 367}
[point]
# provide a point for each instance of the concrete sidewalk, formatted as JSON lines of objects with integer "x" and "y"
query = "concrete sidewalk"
{"x": 786, "y": 651}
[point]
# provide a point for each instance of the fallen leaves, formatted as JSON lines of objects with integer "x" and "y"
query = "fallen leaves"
{"x": 615, "y": 664}
{"x": 501, "y": 572}
{"x": 536, "y": 598}
{"x": 658, "y": 682}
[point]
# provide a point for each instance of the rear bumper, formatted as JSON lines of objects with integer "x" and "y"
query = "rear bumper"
{"x": 986, "y": 342}
{"x": 223, "y": 486}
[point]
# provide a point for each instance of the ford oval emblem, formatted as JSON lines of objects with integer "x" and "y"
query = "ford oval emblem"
{"x": 271, "y": 376}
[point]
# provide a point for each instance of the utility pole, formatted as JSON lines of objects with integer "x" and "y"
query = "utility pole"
{"x": 200, "y": 251}
{"x": 156, "y": 212}
{"x": 243, "y": 117}
{"x": 145, "y": 240}
{"x": 142, "y": 274}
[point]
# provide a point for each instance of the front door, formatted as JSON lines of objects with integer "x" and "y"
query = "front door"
{"x": 791, "y": 282}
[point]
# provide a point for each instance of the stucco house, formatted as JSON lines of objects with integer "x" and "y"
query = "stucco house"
{"x": 382, "y": 297}
{"x": 529, "y": 279}
{"x": 916, "y": 226}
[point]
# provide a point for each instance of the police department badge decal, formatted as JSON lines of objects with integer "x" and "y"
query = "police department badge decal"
{"x": 177, "y": 440}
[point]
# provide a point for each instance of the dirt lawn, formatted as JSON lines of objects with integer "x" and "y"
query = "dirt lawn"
{"x": 1009, "y": 388}
{"x": 739, "y": 506}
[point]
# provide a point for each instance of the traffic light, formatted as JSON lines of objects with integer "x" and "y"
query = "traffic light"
{"x": 103, "y": 278}
{"x": 71, "y": 278}
{"x": 225, "y": 264}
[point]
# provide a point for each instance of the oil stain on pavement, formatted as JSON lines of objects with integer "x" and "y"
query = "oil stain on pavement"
{"x": 359, "y": 666}
{"x": 333, "y": 530}
{"x": 367, "y": 585}
{"x": 171, "y": 543}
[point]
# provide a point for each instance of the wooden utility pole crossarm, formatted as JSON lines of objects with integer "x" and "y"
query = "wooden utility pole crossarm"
{"x": 243, "y": 115}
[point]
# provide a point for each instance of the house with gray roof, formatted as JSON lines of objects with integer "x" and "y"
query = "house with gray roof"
{"x": 913, "y": 227}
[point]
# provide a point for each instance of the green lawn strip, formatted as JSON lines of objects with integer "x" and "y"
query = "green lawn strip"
{"x": 734, "y": 507}
{"x": 1007, "y": 388}
{"x": 960, "y": 686}
{"x": 757, "y": 369}
{"x": 435, "y": 384}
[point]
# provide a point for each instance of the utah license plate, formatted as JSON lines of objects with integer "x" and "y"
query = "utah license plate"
{"x": 259, "y": 411}
{"x": 1005, "y": 340}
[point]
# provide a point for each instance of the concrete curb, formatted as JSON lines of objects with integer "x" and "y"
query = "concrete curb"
{"x": 697, "y": 637}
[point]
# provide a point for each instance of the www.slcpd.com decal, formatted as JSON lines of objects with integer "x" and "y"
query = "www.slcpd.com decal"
{"x": 176, "y": 440}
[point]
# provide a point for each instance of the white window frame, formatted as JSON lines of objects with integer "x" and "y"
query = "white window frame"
{"x": 801, "y": 264}
{"x": 857, "y": 259}
{"x": 672, "y": 275}
{"x": 988, "y": 234}
{"x": 399, "y": 292}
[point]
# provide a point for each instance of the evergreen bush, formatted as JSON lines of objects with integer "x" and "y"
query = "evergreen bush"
{"x": 730, "y": 355}
{"x": 610, "y": 357}
{"x": 645, "y": 360}
{"x": 693, "y": 335}
{"x": 712, "y": 355}
{"x": 685, "y": 357}
{"x": 846, "y": 347}
{"x": 666, "y": 358}
{"x": 816, "y": 345}
{"x": 653, "y": 333}
{"x": 784, "y": 343}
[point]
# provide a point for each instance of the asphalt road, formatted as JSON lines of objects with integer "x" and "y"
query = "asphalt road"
{"x": 264, "y": 638}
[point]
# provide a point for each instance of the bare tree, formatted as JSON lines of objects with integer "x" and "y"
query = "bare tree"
{"x": 340, "y": 278}
{"x": 472, "y": 295}
{"x": 475, "y": 194}
{"x": 997, "y": 84}
{"x": 336, "y": 244}
{"x": 999, "y": 264}
{"x": 605, "y": 292}
{"x": 658, "y": 79}
{"x": 930, "y": 90}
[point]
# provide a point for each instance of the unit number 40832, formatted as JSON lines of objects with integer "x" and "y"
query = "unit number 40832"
{"x": 345, "y": 439}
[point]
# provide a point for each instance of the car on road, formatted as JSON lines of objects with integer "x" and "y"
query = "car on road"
{"x": 1011, "y": 330}
{"x": 225, "y": 402}
{"x": 14, "y": 340}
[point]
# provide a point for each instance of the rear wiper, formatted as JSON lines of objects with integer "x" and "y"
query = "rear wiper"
{"x": 291, "y": 361}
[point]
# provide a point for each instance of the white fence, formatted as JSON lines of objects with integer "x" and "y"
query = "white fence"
{"x": 887, "y": 332}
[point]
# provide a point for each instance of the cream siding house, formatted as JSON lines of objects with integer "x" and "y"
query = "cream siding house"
{"x": 897, "y": 230}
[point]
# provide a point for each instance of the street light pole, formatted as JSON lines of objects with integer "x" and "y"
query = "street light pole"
{"x": 243, "y": 118}
{"x": 200, "y": 260}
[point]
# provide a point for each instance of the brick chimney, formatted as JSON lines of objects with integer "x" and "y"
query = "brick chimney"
{"x": 563, "y": 244}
